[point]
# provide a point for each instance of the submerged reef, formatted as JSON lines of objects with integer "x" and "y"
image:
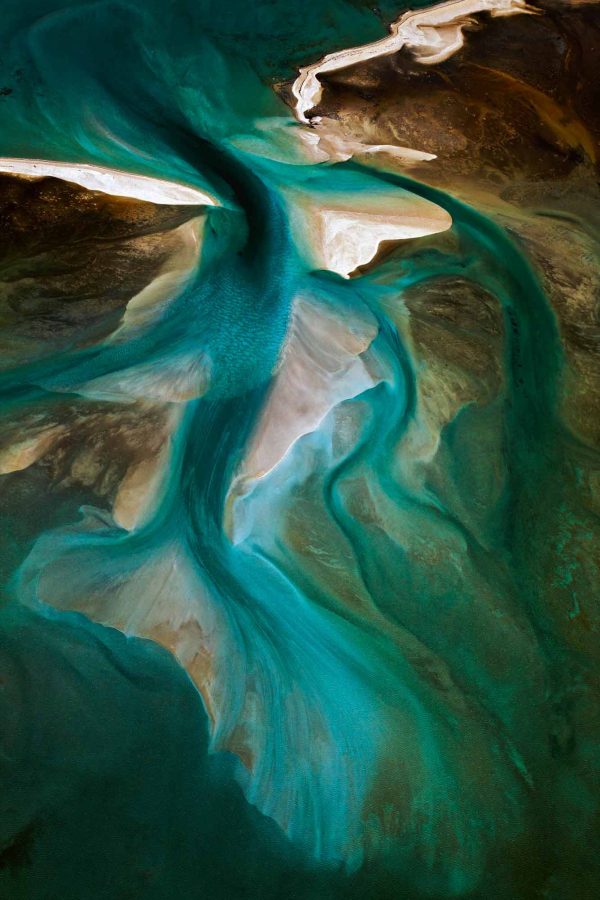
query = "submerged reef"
{"x": 299, "y": 450}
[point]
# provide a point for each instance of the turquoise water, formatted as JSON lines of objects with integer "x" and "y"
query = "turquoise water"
{"x": 392, "y": 748}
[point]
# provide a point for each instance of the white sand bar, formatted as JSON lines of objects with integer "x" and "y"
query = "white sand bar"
{"x": 112, "y": 181}
{"x": 432, "y": 34}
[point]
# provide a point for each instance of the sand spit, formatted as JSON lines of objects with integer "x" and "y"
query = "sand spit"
{"x": 111, "y": 181}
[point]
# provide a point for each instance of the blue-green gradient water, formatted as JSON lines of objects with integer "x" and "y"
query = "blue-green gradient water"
{"x": 380, "y": 649}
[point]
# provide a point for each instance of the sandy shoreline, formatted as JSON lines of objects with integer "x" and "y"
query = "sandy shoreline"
{"x": 433, "y": 34}
{"x": 111, "y": 181}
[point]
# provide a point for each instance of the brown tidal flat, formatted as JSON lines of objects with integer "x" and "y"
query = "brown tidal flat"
{"x": 71, "y": 263}
{"x": 72, "y": 259}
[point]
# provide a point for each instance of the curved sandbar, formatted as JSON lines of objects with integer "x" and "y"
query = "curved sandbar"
{"x": 111, "y": 181}
{"x": 433, "y": 35}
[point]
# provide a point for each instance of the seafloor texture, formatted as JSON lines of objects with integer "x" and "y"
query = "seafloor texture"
{"x": 300, "y": 450}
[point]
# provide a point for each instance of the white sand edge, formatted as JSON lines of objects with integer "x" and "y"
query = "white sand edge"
{"x": 111, "y": 181}
{"x": 433, "y": 34}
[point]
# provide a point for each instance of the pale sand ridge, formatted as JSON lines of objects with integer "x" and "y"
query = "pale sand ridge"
{"x": 432, "y": 34}
{"x": 111, "y": 181}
